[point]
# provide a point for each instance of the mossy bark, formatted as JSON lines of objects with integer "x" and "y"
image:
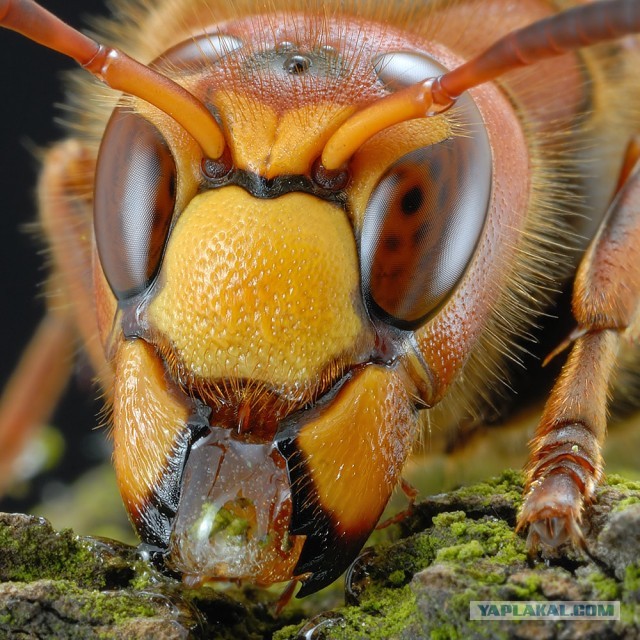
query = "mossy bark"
{"x": 455, "y": 548}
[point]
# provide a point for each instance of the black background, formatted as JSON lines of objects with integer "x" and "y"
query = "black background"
{"x": 30, "y": 85}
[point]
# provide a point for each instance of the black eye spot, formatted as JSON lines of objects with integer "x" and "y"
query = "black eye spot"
{"x": 411, "y": 201}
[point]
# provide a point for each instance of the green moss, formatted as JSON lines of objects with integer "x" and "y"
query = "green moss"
{"x": 445, "y": 632}
{"x": 290, "y": 631}
{"x": 630, "y": 614}
{"x": 480, "y": 549}
{"x": 383, "y": 613}
{"x": 604, "y": 588}
{"x": 478, "y": 557}
{"x": 409, "y": 556}
{"x": 618, "y": 481}
{"x": 116, "y": 608}
{"x": 533, "y": 583}
{"x": 462, "y": 552}
{"x": 144, "y": 577}
{"x": 626, "y": 502}
{"x": 67, "y": 611}
{"x": 36, "y": 552}
{"x": 453, "y": 519}
{"x": 477, "y": 550}
{"x": 451, "y": 619}
{"x": 471, "y": 539}
{"x": 526, "y": 585}
{"x": 509, "y": 485}
{"x": 458, "y": 528}
{"x": 468, "y": 556}
{"x": 397, "y": 578}
{"x": 631, "y": 582}
{"x": 629, "y": 610}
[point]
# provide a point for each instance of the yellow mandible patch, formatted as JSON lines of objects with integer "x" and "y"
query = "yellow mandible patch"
{"x": 356, "y": 446}
{"x": 149, "y": 419}
{"x": 264, "y": 290}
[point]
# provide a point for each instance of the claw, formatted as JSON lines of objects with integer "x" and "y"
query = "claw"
{"x": 555, "y": 531}
{"x": 553, "y": 511}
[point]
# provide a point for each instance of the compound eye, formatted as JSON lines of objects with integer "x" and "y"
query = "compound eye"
{"x": 425, "y": 216}
{"x": 135, "y": 195}
{"x": 420, "y": 228}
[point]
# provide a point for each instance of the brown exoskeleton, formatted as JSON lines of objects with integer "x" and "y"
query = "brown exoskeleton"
{"x": 301, "y": 232}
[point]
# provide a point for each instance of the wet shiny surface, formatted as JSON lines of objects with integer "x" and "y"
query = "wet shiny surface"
{"x": 234, "y": 511}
